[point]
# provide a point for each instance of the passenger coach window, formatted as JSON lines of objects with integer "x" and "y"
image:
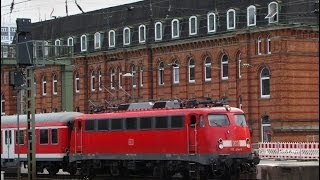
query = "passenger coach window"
{"x": 20, "y": 139}
{"x": 218, "y": 120}
{"x": 131, "y": 123}
{"x": 240, "y": 120}
{"x": 177, "y": 121}
{"x": 103, "y": 124}
{"x": 161, "y": 122}
{"x": 89, "y": 125}
{"x": 43, "y": 136}
{"x": 116, "y": 124}
{"x": 146, "y": 123}
{"x": 54, "y": 136}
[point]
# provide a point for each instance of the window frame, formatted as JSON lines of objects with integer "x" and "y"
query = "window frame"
{"x": 228, "y": 19}
{"x": 44, "y": 85}
{"x": 141, "y": 76}
{"x": 158, "y": 28}
{"x": 239, "y": 65}
{"x": 68, "y": 41}
{"x": 97, "y": 40}
{"x": 224, "y": 66}
{"x": 269, "y": 44}
{"x": 192, "y": 70}
{"x": 176, "y": 72}
{"x": 83, "y": 43}
{"x": 51, "y": 138}
{"x": 142, "y": 35}
{"x": 134, "y": 76}
{"x": 3, "y": 103}
{"x": 264, "y": 78}
{"x": 57, "y": 42}
{"x": 77, "y": 83}
{"x": 271, "y": 19}
{"x": 259, "y": 46}
{"x": 209, "y": 22}
{"x": 177, "y": 29}
{"x": 40, "y": 137}
{"x": 191, "y": 25}
{"x": 112, "y": 38}
{"x": 249, "y": 17}
{"x": 112, "y": 78}
{"x": 21, "y": 137}
{"x": 207, "y": 66}
{"x": 119, "y": 78}
{"x": 126, "y": 36}
{"x": 100, "y": 80}
{"x": 92, "y": 81}
{"x": 161, "y": 74}
{"x": 54, "y": 84}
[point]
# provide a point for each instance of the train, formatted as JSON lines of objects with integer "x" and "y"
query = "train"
{"x": 195, "y": 139}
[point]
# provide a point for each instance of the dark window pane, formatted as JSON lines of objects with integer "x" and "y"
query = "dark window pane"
{"x": 103, "y": 124}
{"x": 177, "y": 121}
{"x": 146, "y": 123}
{"x": 116, "y": 124}
{"x": 20, "y": 138}
{"x": 218, "y": 120}
{"x": 43, "y": 136}
{"x": 265, "y": 87}
{"x": 131, "y": 123}
{"x": 89, "y": 126}
{"x": 161, "y": 122}
{"x": 54, "y": 136}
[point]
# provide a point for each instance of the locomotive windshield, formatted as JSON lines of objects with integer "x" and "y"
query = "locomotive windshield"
{"x": 218, "y": 120}
{"x": 240, "y": 120}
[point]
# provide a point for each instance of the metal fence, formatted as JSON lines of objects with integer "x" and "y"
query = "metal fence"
{"x": 289, "y": 150}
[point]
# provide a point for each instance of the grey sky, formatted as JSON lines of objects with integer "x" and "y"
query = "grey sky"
{"x": 40, "y": 10}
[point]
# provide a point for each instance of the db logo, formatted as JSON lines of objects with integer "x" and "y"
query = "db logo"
{"x": 235, "y": 143}
{"x": 130, "y": 142}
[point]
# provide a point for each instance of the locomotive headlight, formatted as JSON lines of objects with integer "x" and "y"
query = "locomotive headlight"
{"x": 247, "y": 141}
{"x": 220, "y": 143}
{"x": 220, "y": 146}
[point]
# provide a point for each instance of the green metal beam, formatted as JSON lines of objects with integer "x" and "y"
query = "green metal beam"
{"x": 67, "y": 87}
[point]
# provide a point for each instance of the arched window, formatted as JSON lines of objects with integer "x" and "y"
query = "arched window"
{"x": 231, "y": 19}
{"x": 93, "y": 80}
{"x": 112, "y": 38}
{"x": 193, "y": 25}
{"x": 3, "y": 103}
{"x": 100, "y": 80}
{"x": 141, "y": 76}
{"x": 57, "y": 45}
{"x": 259, "y": 44}
{"x": 97, "y": 40}
{"x": 112, "y": 78}
{"x": 272, "y": 12}
{"x": 83, "y": 43}
{"x": 175, "y": 28}
{"x": 126, "y": 36}
{"x": 77, "y": 83}
{"x": 224, "y": 67}
{"x": 265, "y": 83}
{"x": 161, "y": 73}
{"x": 239, "y": 65}
{"x": 211, "y": 21}
{"x": 44, "y": 85}
{"x": 70, "y": 41}
{"x": 269, "y": 44}
{"x": 207, "y": 69}
{"x": 134, "y": 76}
{"x": 142, "y": 33}
{"x": 192, "y": 70}
{"x": 176, "y": 72}
{"x": 119, "y": 78}
{"x": 265, "y": 129}
{"x": 54, "y": 84}
{"x": 158, "y": 31}
{"x": 251, "y": 16}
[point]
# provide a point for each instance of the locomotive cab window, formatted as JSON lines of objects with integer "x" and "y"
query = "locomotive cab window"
{"x": 240, "y": 120}
{"x": 89, "y": 125}
{"x": 54, "y": 136}
{"x": 177, "y": 121}
{"x": 20, "y": 137}
{"x": 44, "y": 136}
{"x": 193, "y": 120}
{"x": 218, "y": 120}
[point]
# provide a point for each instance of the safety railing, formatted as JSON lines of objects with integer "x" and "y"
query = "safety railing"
{"x": 289, "y": 150}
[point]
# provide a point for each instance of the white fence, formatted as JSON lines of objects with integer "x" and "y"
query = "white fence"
{"x": 288, "y": 150}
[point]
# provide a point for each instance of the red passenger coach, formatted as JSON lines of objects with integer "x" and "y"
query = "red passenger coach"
{"x": 53, "y": 132}
{"x": 164, "y": 139}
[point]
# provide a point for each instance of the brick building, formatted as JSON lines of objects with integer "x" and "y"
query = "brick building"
{"x": 264, "y": 58}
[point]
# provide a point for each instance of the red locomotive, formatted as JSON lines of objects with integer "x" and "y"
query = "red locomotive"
{"x": 159, "y": 139}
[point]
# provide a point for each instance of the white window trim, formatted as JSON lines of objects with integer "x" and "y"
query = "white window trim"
{"x": 77, "y": 80}
{"x": 134, "y": 75}
{"x": 112, "y": 78}
{"x": 46, "y": 48}
{"x": 234, "y": 19}
{"x": 113, "y": 38}
{"x": 259, "y": 43}
{"x": 222, "y": 63}
{"x": 176, "y": 68}
{"x": 97, "y": 40}
{"x": 239, "y": 65}
{"x": 93, "y": 78}
{"x": 70, "y": 38}
{"x": 205, "y": 70}
{"x": 173, "y": 30}
{"x": 3, "y": 101}
{"x": 156, "y": 30}
{"x": 262, "y": 127}
{"x": 124, "y": 36}
{"x": 99, "y": 80}
{"x": 83, "y": 38}
{"x": 161, "y": 75}
{"x": 271, "y": 16}
{"x": 214, "y": 22}
{"x": 261, "y": 79}
{"x": 144, "y": 34}
{"x": 120, "y": 79}
{"x": 57, "y": 43}
{"x": 268, "y": 45}
{"x": 54, "y": 80}
{"x": 196, "y": 25}
{"x": 248, "y": 16}
{"x": 44, "y": 82}
{"x": 189, "y": 74}
{"x": 141, "y": 76}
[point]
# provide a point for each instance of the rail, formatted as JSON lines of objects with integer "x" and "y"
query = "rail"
{"x": 289, "y": 150}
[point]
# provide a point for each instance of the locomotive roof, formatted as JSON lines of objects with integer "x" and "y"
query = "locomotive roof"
{"x": 45, "y": 117}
